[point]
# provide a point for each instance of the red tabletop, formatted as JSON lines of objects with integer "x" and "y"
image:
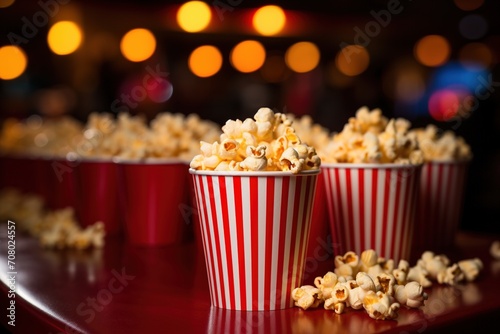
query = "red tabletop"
{"x": 129, "y": 289}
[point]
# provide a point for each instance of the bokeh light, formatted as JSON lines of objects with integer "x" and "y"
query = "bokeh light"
{"x": 444, "y": 104}
{"x": 205, "y": 61}
{"x": 162, "y": 91}
{"x": 352, "y": 60}
{"x": 468, "y": 5}
{"x": 269, "y": 20}
{"x": 138, "y": 44}
{"x": 13, "y": 62}
{"x": 248, "y": 56}
{"x": 474, "y": 54}
{"x": 405, "y": 81}
{"x": 6, "y": 3}
{"x": 194, "y": 16}
{"x": 64, "y": 37}
{"x": 473, "y": 26}
{"x": 302, "y": 57}
{"x": 432, "y": 50}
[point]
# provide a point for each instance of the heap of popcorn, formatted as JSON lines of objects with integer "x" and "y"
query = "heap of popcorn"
{"x": 268, "y": 142}
{"x": 372, "y": 283}
{"x": 39, "y": 137}
{"x": 54, "y": 229}
{"x": 168, "y": 135}
{"x": 369, "y": 137}
{"x": 437, "y": 145}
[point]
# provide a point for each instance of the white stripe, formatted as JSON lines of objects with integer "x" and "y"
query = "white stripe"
{"x": 231, "y": 204}
{"x": 367, "y": 173}
{"x": 400, "y": 236}
{"x": 263, "y": 275}
{"x": 288, "y": 237}
{"x": 300, "y": 185}
{"x": 379, "y": 193}
{"x": 356, "y": 222}
{"x": 278, "y": 185}
{"x": 393, "y": 186}
{"x": 247, "y": 244}
{"x": 344, "y": 219}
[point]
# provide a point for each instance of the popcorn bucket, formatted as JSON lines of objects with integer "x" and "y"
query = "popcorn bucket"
{"x": 254, "y": 228}
{"x": 61, "y": 182}
{"x": 25, "y": 173}
{"x": 372, "y": 206}
{"x": 97, "y": 189}
{"x": 155, "y": 201}
{"x": 439, "y": 205}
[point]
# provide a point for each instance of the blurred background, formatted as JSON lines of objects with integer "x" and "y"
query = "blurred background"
{"x": 427, "y": 61}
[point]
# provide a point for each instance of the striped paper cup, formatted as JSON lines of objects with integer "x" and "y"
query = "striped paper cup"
{"x": 439, "y": 205}
{"x": 372, "y": 206}
{"x": 254, "y": 227}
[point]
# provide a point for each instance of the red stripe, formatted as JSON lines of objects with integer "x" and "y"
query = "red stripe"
{"x": 404, "y": 221}
{"x": 296, "y": 182}
{"x": 227, "y": 239}
{"x": 374, "y": 195}
{"x": 361, "y": 191}
{"x": 431, "y": 199}
{"x": 254, "y": 239}
{"x": 402, "y": 177}
{"x": 281, "y": 248}
{"x": 269, "y": 242}
{"x": 438, "y": 223}
{"x": 241, "y": 243}
{"x": 351, "y": 224}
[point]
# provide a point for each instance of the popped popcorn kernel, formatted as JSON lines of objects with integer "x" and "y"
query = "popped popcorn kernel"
{"x": 495, "y": 249}
{"x": 266, "y": 143}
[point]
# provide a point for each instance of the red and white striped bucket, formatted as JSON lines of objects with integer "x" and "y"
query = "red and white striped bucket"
{"x": 439, "y": 205}
{"x": 255, "y": 228}
{"x": 372, "y": 206}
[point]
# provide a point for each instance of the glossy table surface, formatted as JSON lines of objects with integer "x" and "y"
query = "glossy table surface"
{"x": 127, "y": 289}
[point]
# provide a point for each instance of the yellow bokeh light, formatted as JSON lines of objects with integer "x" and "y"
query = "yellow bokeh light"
{"x": 352, "y": 60}
{"x": 64, "y": 37}
{"x": 194, "y": 16}
{"x": 6, "y": 3}
{"x": 205, "y": 61}
{"x": 248, "y": 56}
{"x": 432, "y": 50}
{"x": 269, "y": 20}
{"x": 13, "y": 62}
{"x": 302, "y": 57}
{"x": 138, "y": 44}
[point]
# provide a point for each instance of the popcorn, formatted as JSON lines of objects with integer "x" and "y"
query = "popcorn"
{"x": 372, "y": 138}
{"x": 495, "y": 250}
{"x": 441, "y": 146}
{"x": 266, "y": 143}
{"x": 380, "y": 288}
{"x": 54, "y": 229}
{"x": 306, "y": 296}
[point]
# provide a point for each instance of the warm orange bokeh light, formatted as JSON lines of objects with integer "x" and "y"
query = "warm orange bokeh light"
{"x": 269, "y": 20}
{"x": 194, "y": 16}
{"x": 248, "y": 56}
{"x": 205, "y": 61}
{"x": 6, "y": 3}
{"x": 352, "y": 60}
{"x": 138, "y": 44}
{"x": 64, "y": 37}
{"x": 476, "y": 53}
{"x": 432, "y": 50}
{"x": 13, "y": 62}
{"x": 468, "y": 5}
{"x": 302, "y": 57}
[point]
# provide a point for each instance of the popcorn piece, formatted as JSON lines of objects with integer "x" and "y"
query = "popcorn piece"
{"x": 495, "y": 250}
{"x": 256, "y": 159}
{"x": 306, "y": 296}
{"x": 326, "y": 284}
{"x": 470, "y": 268}
{"x": 451, "y": 275}
{"x": 412, "y": 294}
{"x": 379, "y": 306}
{"x": 338, "y": 298}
